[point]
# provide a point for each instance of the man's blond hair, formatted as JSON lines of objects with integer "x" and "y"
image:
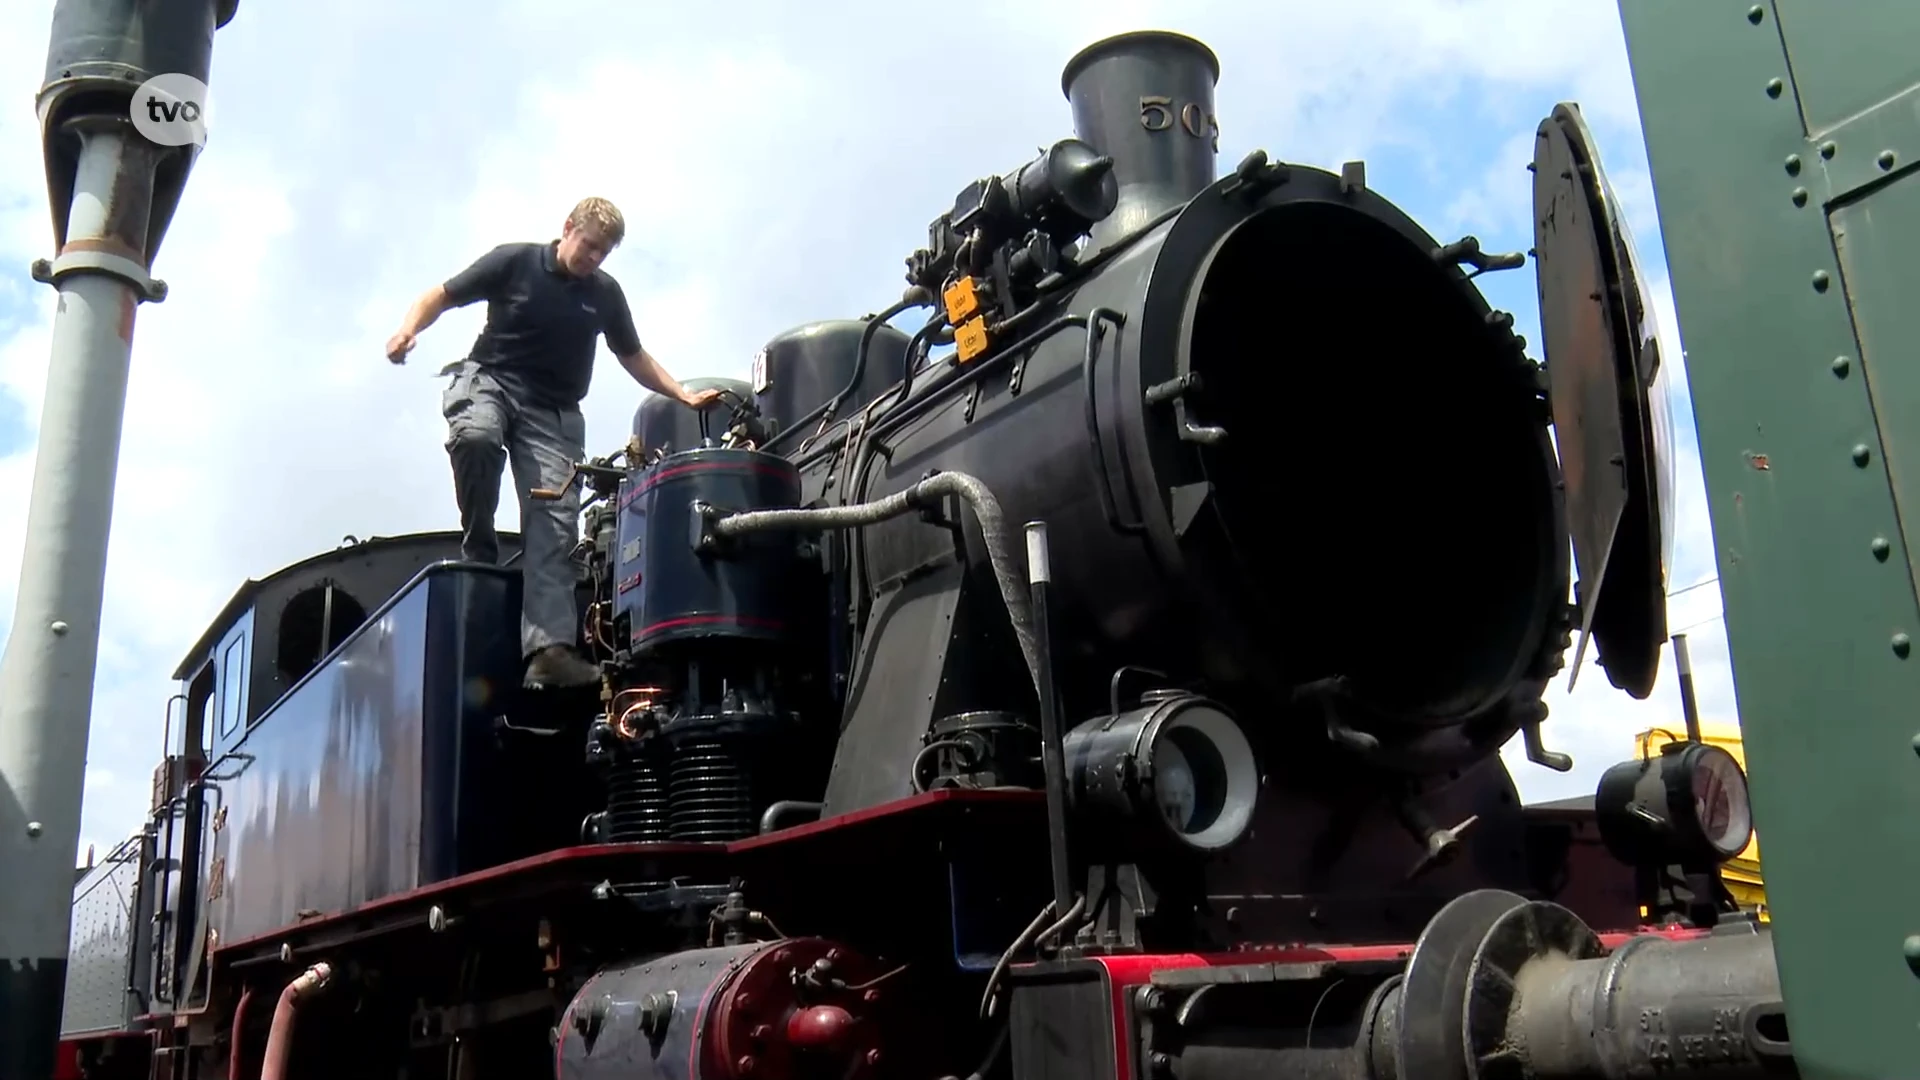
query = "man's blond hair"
{"x": 601, "y": 216}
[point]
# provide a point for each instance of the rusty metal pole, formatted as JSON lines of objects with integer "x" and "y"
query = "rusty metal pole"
{"x": 1689, "y": 703}
{"x": 112, "y": 192}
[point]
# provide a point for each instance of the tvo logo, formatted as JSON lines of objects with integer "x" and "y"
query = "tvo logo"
{"x": 171, "y": 110}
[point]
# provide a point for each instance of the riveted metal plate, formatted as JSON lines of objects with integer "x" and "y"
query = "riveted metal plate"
{"x": 1815, "y": 573}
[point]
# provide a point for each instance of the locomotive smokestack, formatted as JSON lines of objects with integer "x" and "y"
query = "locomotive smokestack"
{"x": 1146, "y": 100}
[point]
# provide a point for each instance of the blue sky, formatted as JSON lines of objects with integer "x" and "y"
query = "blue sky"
{"x": 774, "y": 170}
{"x": 17, "y": 310}
{"x": 15, "y": 435}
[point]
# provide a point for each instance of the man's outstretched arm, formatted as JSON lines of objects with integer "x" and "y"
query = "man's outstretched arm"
{"x": 648, "y": 373}
{"x": 476, "y": 282}
{"x": 624, "y": 340}
{"x": 430, "y": 306}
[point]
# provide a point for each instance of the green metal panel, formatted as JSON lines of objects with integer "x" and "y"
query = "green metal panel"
{"x": 1878, "y": 240}
{"x": 1795, "y": 260}
{"x": 1848, "y": 58}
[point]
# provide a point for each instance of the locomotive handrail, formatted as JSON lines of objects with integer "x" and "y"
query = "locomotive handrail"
{"x": 166, "y": 722}
{"x": 1103, "y": 480}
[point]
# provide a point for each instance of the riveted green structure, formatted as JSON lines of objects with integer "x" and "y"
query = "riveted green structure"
{"x": 1784, "y": 140}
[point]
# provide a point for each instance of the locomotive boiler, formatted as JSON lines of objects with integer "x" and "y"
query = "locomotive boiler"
{"x": 1103, "y": 677}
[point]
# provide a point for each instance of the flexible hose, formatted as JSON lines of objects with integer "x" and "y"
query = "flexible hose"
{"x": 235, "y": 1052}
{"x": 280, "y": 1035}
{"x": 1032, "y": 935}
{"x": 1026, "y": 938}
{"x": 986, "y": 510}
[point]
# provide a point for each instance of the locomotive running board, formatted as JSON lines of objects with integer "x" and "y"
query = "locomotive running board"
{"x": 791, "y": 854}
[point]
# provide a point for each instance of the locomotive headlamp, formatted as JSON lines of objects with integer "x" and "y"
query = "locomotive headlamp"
{"x": 1065, "y": 190}
{"x": 1177, "y": 768}
{"x": 1687, "y": 804}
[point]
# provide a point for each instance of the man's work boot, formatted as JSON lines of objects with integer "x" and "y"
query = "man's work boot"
{"x": 558, "y": 667}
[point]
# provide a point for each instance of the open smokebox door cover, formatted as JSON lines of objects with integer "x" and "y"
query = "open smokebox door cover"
{"x": 1612, "y": 424}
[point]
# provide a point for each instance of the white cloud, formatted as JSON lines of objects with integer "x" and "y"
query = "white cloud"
{"x": 775, "y": 167}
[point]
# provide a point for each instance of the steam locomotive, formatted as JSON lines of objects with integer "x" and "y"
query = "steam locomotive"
{"x": 1027, "y": 695}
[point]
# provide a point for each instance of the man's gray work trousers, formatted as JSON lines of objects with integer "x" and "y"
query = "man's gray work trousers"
{"x": 486, "y": 425}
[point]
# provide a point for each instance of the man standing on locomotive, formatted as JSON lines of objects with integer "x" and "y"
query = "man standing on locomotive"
{"x": 518, "y": 394}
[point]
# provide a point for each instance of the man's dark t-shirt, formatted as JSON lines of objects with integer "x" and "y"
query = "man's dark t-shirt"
{"x": 543, "y": 324}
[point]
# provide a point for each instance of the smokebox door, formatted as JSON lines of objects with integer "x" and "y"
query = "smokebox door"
{"x": 1610, "y": 417}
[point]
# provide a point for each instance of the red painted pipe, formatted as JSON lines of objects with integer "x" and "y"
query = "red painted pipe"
{"x": 281, "y": 1035}
{"x": 239, "y": 1026}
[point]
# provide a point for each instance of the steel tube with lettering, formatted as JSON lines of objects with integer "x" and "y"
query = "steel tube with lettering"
{"x": 1706, "y": 1007}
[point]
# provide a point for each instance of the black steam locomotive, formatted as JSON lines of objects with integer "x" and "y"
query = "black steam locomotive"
{"x": 1041, "y": 706}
